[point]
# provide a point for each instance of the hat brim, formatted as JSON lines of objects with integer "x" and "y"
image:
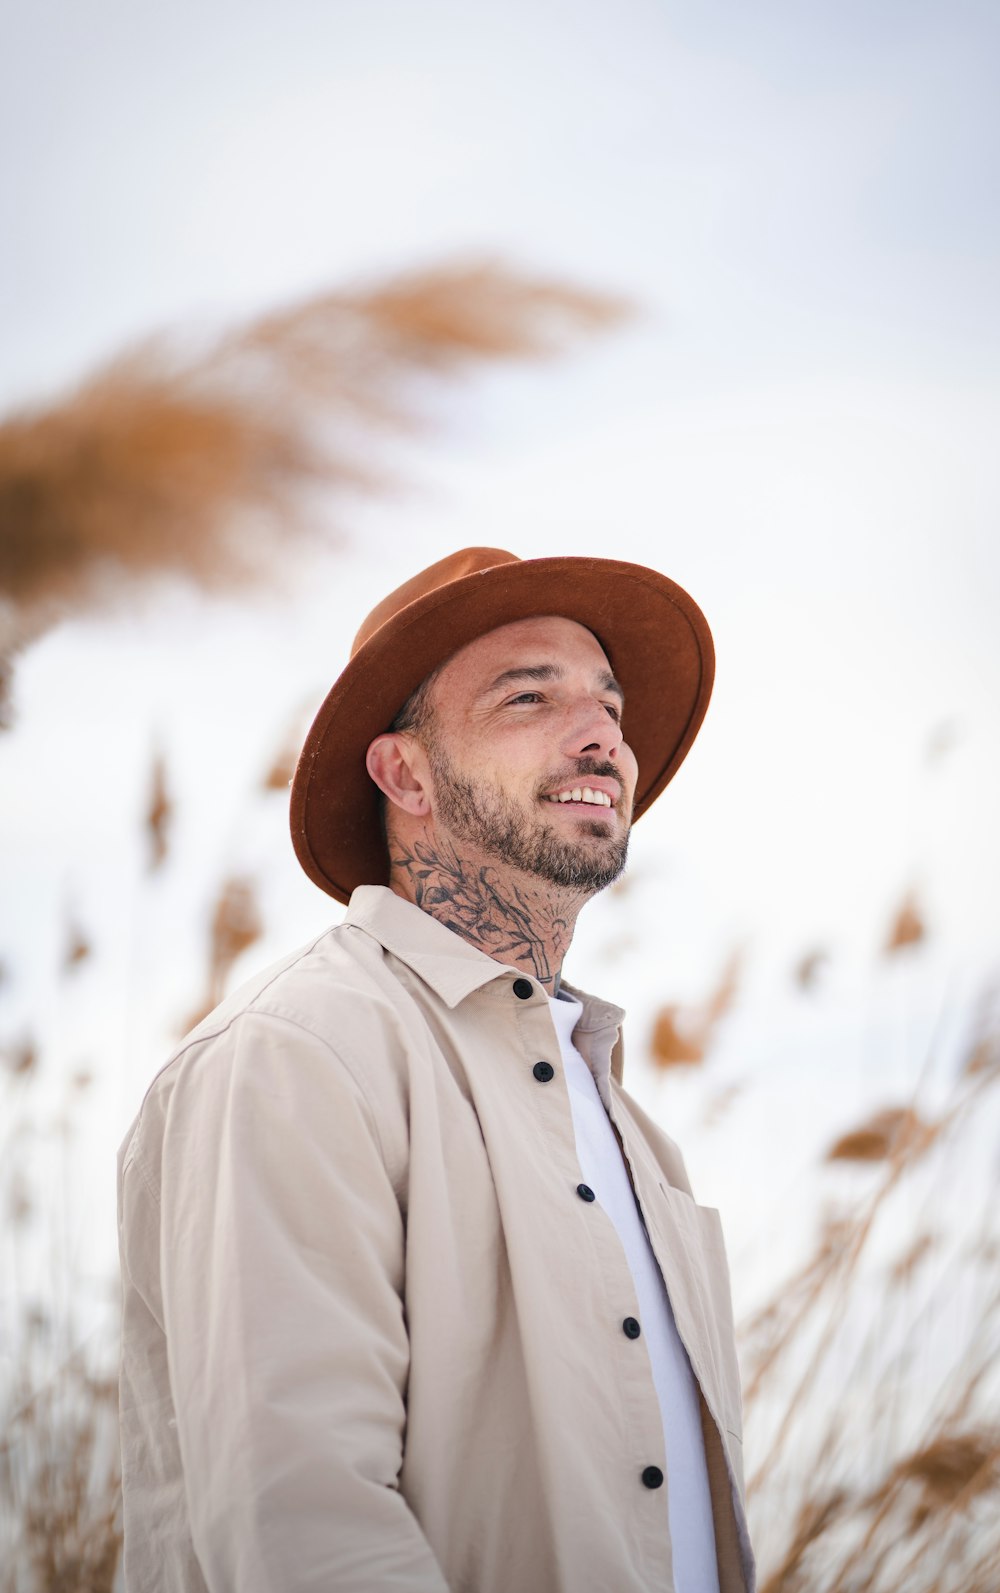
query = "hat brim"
{"x": 656, "y": 639}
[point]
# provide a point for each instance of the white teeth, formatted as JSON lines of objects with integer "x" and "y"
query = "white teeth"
{"x": 597, "y": 798}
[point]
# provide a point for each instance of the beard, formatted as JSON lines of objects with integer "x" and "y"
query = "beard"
{"x": 486, "y": 817}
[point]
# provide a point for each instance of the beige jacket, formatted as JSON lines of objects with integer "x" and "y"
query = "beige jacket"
{"x": 372, "y": 1335}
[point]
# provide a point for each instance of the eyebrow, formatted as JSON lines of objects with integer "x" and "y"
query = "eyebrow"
{"x": 546, "y": 672}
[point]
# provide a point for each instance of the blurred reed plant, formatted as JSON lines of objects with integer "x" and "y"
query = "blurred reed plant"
{"x": 59, "y": 1454}
{"x": 60, "y": 1489}
{"x": 209, "y": 458}
{"x": 872, "y": 1374}
{"x": 201, "y": 456}
{"x": 872, "y": 1400}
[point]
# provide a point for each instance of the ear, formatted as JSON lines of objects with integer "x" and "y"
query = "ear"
{"x": 398, "y": 766}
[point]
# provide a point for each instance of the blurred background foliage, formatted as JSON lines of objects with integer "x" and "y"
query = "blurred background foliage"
{"x": 873, "y": 1428}
{"x": 195, "y": 460}
{"x": 791, "y": 408}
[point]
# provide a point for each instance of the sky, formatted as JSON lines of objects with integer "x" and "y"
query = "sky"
{"x": 798, "y": 425}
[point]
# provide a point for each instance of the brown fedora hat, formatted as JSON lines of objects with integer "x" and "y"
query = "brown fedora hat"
{"x": 655, "y": 636}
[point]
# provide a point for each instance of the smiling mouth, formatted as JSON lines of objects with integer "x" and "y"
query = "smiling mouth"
{"x": 580, "y": 797}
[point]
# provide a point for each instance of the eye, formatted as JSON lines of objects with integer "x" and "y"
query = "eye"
{"x": 526, "y": 696}
{"x": 614, "y": 711}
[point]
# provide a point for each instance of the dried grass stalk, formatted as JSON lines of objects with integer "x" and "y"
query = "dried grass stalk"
{"x": 168, "y": 459}
{"x": 808, "y": 968}
{"x": 855, "y": 1400}
{"x": 669, "y": 1045}
{"x": 236, "y": 924}
{"x": 816, "y": 1516}
{"x": 887, "y": 1134}
{"x": 19, "y": 1057}
{"x": 908, "y": 927}
{"x": 683, "y": 1035}
{"x": 159, "y": 812}
{"x": 954, "y": 1468}
{"x": 278, "y": 775}
{"x": 914, "y": 1255}
{"x": 59, "y": 1464}
{"x": 77, "y": 947}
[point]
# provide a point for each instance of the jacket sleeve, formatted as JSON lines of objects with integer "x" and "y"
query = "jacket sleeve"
{"x": 282, "y": 1246}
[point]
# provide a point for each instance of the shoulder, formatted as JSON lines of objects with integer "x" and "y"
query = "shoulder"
{"x": 331, "y": 1018}
{"x": 337, "y": 990}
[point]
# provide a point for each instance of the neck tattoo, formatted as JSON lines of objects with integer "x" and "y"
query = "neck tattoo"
{"x": 510, "y": 924}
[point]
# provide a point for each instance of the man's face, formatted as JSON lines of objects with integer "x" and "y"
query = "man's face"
{"x": 526, "y": 753}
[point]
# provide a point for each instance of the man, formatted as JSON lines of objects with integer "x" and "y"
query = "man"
{"x": 415, "y": 1296}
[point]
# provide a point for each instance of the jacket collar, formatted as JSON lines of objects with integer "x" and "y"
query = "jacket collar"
{"x": 438, "y": 956}
{"x": 443, "y": 960}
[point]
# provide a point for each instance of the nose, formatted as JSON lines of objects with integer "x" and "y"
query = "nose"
{"x": 592, "y": 732}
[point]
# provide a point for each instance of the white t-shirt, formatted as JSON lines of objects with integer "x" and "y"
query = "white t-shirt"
{"x": 602, "y": 1166}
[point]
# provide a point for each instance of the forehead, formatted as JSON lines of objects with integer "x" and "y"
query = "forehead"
{"x": 548, "y": 639}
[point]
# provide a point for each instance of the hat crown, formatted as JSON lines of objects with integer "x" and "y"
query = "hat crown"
{"x": 468, "y": 561}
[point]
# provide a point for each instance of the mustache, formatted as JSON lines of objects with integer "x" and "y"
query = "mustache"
{"x": 600, "y": 768}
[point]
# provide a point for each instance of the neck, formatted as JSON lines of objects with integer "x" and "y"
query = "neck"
{"x": 513, "y": 917}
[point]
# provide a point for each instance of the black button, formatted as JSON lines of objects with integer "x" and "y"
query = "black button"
{"x": 653, "y": 1477}
{"x": 543, "y": 1071}
{"x": 585, "y": 1192}
{"x": 524, "y": 989}
{"x": 631, "y": 1328}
